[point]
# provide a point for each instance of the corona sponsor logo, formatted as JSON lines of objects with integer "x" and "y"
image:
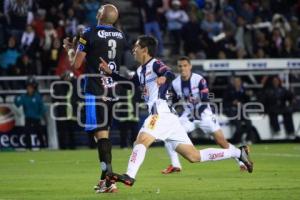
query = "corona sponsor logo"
{"x": 104, "y": 34}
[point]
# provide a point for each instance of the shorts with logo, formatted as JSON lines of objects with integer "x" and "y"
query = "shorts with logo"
{"x": 208, "y": 123}
{"x": 166, "y": 126}
{"x": 98, "y": 114}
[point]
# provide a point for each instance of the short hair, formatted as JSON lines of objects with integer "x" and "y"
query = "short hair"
{"x": 182, "y": 58}
{"x": 149, "y": 42}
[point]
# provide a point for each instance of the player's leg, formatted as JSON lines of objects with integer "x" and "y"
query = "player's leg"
{"x": 154, "y": 127}
{"x": 175, "y": 163}
{"x": 97, "y": 121}
{"x": 183, "y": 145}
{"x": 222, "y": 142}
{"x": 136, "y": 159}
{"x": 193, "y": 155}
{"x": 210, "y": 125}
{"x": 104, "y": 147}
{"x": 142, "y": 143}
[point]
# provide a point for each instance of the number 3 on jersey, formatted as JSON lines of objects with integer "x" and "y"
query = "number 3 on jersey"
{"x": 112, "y": 44}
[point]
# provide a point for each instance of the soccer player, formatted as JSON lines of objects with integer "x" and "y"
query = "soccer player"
{"x": 105, "y": 41}
{"x": 154, "y": 78}
{"x": 191, "y": 91}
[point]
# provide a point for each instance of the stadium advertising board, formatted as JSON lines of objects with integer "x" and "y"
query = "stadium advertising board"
{"x": 12, "y": 136}
{"x": 247, "y": 64}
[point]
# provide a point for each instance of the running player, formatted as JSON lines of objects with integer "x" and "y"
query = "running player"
{"x": 190, "y": 90}
{"x": 154, "y": 78}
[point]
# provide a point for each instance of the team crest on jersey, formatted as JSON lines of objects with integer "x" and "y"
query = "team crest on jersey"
{"x": 153, "y": 122}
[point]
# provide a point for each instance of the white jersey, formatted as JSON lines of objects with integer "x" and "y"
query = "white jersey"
{"x": 191, "y": 92}
{"x": 153, "y": 95}
{"x": 161, "y": 123}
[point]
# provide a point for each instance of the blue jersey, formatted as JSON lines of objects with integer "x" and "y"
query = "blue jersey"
{"x": 101, "y": 41}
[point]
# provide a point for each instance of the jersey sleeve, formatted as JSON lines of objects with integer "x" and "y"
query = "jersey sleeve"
{"x": 83, "y": 41}
{"x": 203, "y": 89}
{"x": 175, "y": 97}
{"x": 163, "y": 70}
{"x": 134, "y": 79}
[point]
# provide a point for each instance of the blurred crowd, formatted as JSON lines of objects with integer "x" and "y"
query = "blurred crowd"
{"x": 226, "y": 28}
{"x": 31, "y": 34}
{"x": 31, "y": 31}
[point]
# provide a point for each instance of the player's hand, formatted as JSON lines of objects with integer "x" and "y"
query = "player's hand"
{"x": 161, "y": 80}
{"x": 104, "y": 66}
{"x": 68, "y": 44}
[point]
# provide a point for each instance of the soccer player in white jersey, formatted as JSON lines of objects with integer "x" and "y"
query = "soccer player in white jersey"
{"x": 154, "y": 78}
{"x": 190, "y": 90}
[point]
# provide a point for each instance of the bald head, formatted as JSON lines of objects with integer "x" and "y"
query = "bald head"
{"x": 107, "y": 14}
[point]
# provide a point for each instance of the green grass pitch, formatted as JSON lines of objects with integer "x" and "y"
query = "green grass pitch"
{"x": 71, "y": 175}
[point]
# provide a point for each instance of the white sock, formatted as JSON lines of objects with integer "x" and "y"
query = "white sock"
{"x": 233, "y": 148}
{"x": 136, "y": 159}
{"x": 212, "y": 154}
{"x": 173, "y": 155}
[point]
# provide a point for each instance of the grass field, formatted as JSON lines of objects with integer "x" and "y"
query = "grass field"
{"x": 72, "y": 174}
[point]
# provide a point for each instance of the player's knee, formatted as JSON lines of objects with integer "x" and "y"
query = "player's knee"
{"x": 144, "y": 139}
{"x": 194, "y": 157}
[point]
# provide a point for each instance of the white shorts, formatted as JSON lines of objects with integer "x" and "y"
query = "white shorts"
{"x": 208, "y": 123}
{"x": 166, "y": 127}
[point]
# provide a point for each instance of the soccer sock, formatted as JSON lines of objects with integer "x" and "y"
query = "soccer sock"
{"x": 173, "y": 155}
{"x": 136, "y": 159}
{"x": 104, "y": 153}
{"x": 212, "y": 154}
{"x": 233, "y": 148}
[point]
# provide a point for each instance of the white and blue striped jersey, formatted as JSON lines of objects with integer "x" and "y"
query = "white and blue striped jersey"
{"x": 152, "y": 94}
{"x": 194, "y": 94}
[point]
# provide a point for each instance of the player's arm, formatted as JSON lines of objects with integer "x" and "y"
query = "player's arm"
{"x": 175, "y": 98}
{"x": 164, "y": 73}
{"x": 76, "y": 50}
{"x": 203, "y": 90}
{"x": 104, "y": 67}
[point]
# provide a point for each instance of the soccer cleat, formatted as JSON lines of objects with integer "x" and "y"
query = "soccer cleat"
{"x": 124, "y": 178}
{"x": 170, "y": 169}
{"x": 243, "y": 168}
{"x": 102, "y": 187}
{"x": 245, "y": 158}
